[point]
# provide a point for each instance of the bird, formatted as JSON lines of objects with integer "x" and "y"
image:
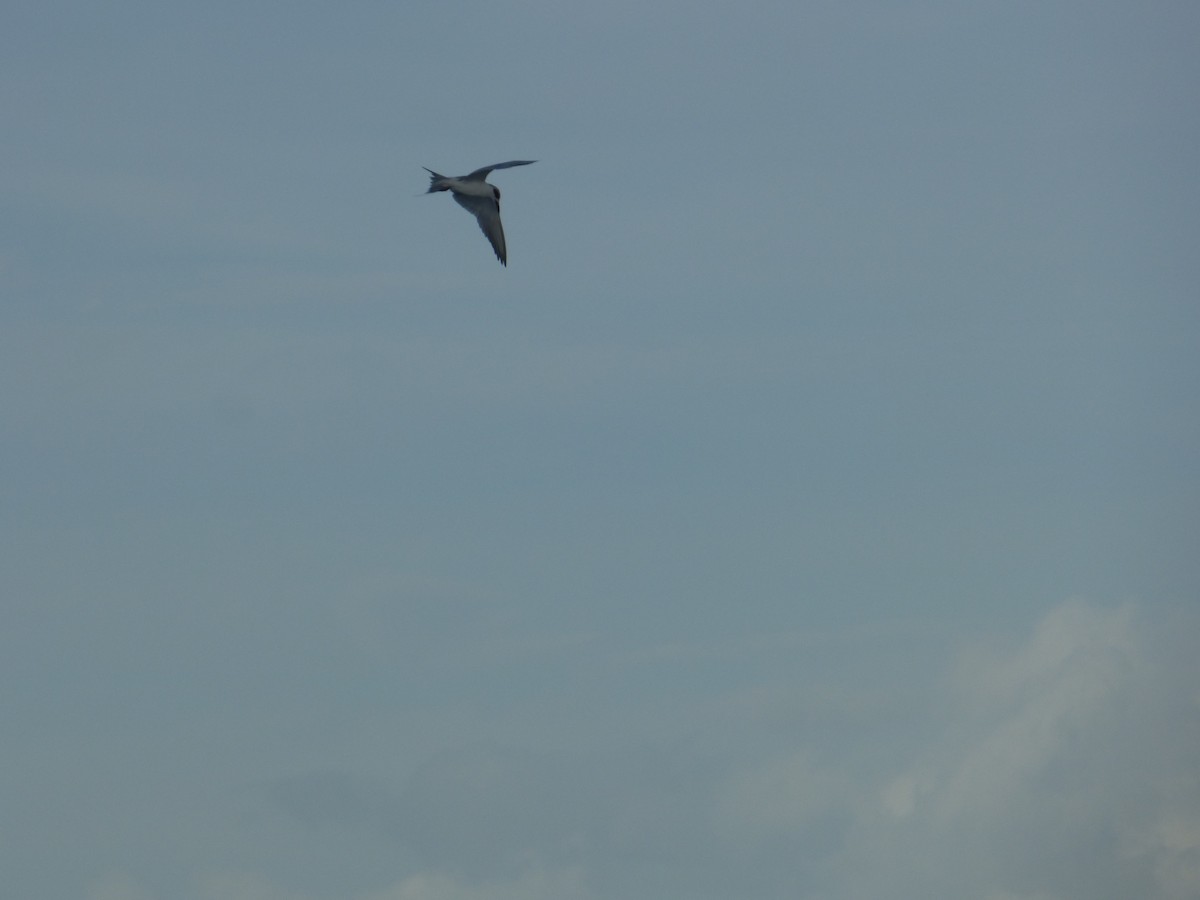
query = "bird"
{"x": 477, "y": 196}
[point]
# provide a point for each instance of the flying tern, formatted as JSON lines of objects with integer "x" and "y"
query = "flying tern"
{"x": 475, "y": 195}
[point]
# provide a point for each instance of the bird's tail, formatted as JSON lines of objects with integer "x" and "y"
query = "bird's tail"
{"x": 436, "y": 182}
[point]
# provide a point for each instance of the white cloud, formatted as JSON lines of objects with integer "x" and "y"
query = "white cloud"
{"x": 117, "y": 886}
{"x": 536, "y": 883}
{"x": 902, "y": 795}
{"x": 242, "y": 886}
{"x": 1172, "y": 847}
{"x": 781, "y": 795}
{"x": 1073, "y": 638}
{"x": 1029, "y": 703}
{"x": 1039, "y": 782}
{"x": 1048, "y": 769}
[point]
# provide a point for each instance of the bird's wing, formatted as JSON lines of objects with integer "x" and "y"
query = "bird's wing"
{"x": 481, "y": 174}
{"x": 487, "y": 213}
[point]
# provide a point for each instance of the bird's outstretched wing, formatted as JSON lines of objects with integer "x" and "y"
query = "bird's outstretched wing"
{"x": 487, "y": 213}
{"x": 481, "y": 174}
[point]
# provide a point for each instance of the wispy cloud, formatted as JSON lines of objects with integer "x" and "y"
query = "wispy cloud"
{"x": 1023, "y": 784}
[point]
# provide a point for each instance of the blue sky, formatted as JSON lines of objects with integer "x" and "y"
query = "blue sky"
{"x": 809, "y": 510}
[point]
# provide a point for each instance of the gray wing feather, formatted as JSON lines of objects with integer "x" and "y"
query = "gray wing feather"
{"x": 481, "y": 174}
{"x": 487, "y": 213}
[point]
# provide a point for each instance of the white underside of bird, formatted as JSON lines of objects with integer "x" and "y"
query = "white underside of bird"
{"x": 479, "y": 198}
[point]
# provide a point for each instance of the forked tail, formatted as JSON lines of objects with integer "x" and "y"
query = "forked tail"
{"x": 436, "y": 182}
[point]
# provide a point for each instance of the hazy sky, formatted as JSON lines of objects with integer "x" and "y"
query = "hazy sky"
{"x": 810, "y": 510}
